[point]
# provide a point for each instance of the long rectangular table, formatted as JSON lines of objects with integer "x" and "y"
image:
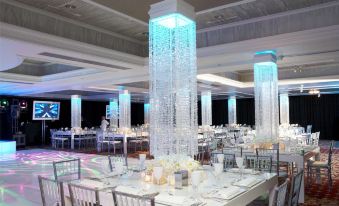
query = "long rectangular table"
{"x": 266, "y": 182}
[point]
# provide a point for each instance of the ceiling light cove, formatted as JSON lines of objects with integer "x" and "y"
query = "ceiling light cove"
{"x": 222, "y": 80}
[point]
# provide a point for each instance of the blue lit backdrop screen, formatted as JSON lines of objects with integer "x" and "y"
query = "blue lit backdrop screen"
{"x": 43, "y": 110}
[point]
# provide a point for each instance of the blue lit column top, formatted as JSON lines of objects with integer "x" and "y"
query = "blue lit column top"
{"x": 146, "y": 113}
{"x": 266, "y": 97}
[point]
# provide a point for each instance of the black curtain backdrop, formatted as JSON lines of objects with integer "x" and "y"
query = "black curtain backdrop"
{"x": 322, "y": 113}
{"x": 92, "y": 111}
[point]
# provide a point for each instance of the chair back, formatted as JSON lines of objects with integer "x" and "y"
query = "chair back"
{"x": 295, "y": 189}
{"x": 259, "y": 162}
{"x": 200, "y": 156}
{"x": 67, "y": 170}
{"x": 273, "y": 153}
{"x": 114, "y": 158}
{"x": 52, "y": 192}
{"x": 280, "y": 194}
{"x": 330, "y": 152}
{"x": 83, "y": 196}
{"x": 229, "y": 160}
{"x": 123, "y": 199}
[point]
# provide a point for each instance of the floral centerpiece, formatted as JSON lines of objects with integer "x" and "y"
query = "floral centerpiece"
{"x": 173, "y": 163}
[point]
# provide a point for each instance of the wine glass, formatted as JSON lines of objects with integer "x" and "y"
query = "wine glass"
{"x": 157, "y": 173}
{"x": 218, "y": 169}
{"x": 105, "y": 171}
{"x": 142, "y": 159}
{"x": 240, "y": 164}
{"x": 220, "y": 158}
{"x": 195, "y": 181}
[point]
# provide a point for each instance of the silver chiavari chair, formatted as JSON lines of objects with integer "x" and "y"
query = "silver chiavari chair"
{"x": 83, "y": 196}
{"x": 52, "y": 193}
{"x": 124, "y": 199}
{"x": 114, "y": 158}
{"x": 295, "y": 189}
{"x": 259, "y": 162}
{"x": 67, "y": 170}
{"x": 229, "y": 160}
{"x": 280, "y": 194}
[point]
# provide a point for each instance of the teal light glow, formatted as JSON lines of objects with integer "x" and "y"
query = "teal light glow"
{"x": 172, "y": 21}
{"x": 146, "y": 113}
{"x": 7, "y": 147}
{"x": 273, "y": 52}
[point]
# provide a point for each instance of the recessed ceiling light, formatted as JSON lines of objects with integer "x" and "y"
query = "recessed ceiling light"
{"x": 70, "y": 6}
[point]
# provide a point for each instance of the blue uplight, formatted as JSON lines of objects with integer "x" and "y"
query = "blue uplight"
{"x": 7, "y": 147}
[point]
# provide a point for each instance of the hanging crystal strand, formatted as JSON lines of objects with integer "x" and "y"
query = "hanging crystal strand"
{"x": 114, "y": 112}
{"x": 206, "y": 108}
{"x": 76, "y": 111}
{"x": 124, "y": 110}
{"x": 173, "y": 87}
{"x": 284, "y": 109}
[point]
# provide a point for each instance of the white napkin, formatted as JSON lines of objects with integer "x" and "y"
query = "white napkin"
{"x": 248, "y": 182}
{"x": 227, "y": 193}
{"x": 167, "y": 199}
{"x": 129, "y": 190}
{"x": 245, "y": 171}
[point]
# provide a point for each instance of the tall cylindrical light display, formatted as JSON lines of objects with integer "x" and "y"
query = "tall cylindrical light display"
{"x": 266, "y": 97}
{"x": 76, "y": 111}
{"x": 284, "y": 109}
{"x": 206, "y": 108}
{"x": 124, "y": 110}
{"x": 114, "y": 112}
{"x": 173, "y": 86}
{"x": 146, "y": 113}
{"x": 232, "y": 110}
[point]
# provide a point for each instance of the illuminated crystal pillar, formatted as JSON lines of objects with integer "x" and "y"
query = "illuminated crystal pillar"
{"x": 173, "y": 86}
{"x": 124, "y": 110}
{"x": 266, "y": 97}
{"x": 76, "y": 111}
{"x": 206, "y": 108}
{"x": 146, "y": 113}
{"x": 114, "y": 113}
{"x": 284, "y": 109}
{"x": 232, "y": 110}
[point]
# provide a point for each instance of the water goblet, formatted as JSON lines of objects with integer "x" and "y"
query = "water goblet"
{"x": 157, "y": 173}
{"x": 195, "y": 181}
{"x": 142, "y": 159}
{"x": 240, "y": 164}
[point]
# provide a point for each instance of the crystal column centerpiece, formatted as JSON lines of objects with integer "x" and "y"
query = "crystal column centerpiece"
{"x": 173, "y": 86}
{"x": 206, "y": 108}
{"x": 76, "y": 111}
{"x": 266, "y": 97}
{"x": 124, "y": 110}
{"x": 146, "y": 113}
{"x": 284, "y": 109}
{"x": 232, "y": 110}
{"x": 114, "y": 112}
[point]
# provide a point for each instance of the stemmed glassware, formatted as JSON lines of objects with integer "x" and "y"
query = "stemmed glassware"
{"x": 240, "y": 164}
{"x": 195, "y": 180}
{"x": 157, "y": 173}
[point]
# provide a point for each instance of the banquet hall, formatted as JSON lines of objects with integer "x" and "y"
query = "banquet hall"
{"x": 169, "y": 103}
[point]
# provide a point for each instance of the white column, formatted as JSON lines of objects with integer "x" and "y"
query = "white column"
{"x": 206, "y": 108}
{"x": 266, "y": 97}
{"x": 173, "y": 86}
{"x": 232, "y": 110}
{"x": 76, "y": 111}
{"x": 284, "y": 109}
{"x": 114, "y": 112}
{"x": 124, "y": 110}
{"x": 146, "y": 113}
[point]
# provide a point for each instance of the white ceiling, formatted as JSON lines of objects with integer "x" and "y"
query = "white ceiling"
{"x": 311, "y": 51}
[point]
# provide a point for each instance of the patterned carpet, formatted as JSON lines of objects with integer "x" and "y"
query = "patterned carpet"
{"x": 320, "y": 194}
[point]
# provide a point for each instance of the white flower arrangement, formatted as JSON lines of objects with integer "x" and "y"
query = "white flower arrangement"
{"x": 173, "y": 163}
